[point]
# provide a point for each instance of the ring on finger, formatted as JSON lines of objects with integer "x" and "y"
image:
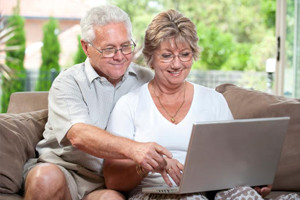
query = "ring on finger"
{"x": 168, "y": 170}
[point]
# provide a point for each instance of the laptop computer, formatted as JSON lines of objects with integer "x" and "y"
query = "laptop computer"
{"x": 226, "y": 154}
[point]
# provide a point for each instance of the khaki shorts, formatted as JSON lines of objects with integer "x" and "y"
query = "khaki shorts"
{"x": 80, "y": 180}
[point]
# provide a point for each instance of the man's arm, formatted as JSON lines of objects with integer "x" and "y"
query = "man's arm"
{"x": 102, "y": 144}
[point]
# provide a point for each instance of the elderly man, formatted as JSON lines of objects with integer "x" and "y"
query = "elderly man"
{"x": 80, "y": 102}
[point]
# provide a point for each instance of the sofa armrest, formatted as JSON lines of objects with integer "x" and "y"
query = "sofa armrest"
{"x": 27, "y": 101}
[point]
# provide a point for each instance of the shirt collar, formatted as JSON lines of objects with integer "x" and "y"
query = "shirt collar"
{"x": 92, "y": 74}
{"x": 130, "y": 71}
{"x": 90, "y": 71}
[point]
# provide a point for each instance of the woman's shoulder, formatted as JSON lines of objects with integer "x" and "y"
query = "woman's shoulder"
{"x": 211, "y": 99}
{"x": 202, "y": 90}
{"x": 208, "y": 94}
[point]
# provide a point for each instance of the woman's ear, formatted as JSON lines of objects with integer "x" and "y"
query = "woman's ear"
{"x": 84, "y": 46}
{"x": 151, "y": 63}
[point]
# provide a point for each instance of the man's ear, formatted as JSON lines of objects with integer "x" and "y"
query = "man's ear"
{"x": 84, "y": 46}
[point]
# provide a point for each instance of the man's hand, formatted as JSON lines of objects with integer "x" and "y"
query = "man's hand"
{"x": 149, "y": 155}
{"x": 263, "y": 191}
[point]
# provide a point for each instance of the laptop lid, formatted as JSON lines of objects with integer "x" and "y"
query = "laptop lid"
{"x": 226, "y": 154}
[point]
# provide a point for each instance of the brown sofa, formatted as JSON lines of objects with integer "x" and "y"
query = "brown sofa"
{"x": 22, "y": 127}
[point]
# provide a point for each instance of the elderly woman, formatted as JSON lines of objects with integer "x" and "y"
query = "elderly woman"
{"x": 164, "y": 110}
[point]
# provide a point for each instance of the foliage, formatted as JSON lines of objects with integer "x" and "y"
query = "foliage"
{"x": 268, "y": 9}
{"x": 216, "y": 47}
{"x": 230, "y": 31}
{"x": 18, "y": 39}
{"x": 140, "y": 19}
{"x": 290, "y": 31}
{"x": 259, "y": 53}
{"x": 80, "y": 55}
{"x": 6, "y": 33}
{"x": 50, "y": 55}
{"x": 239, "y": 58}
{"x": 14, "y": 59}
{"x": 292, "y": 67}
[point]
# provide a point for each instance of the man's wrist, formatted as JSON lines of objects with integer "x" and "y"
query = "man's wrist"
{"x": 128, "y": 149}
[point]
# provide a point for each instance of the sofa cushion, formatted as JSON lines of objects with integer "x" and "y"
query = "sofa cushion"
{"x": 19, "y": 134}
{"x": 245, "y": 103}
{"x": 10, "y": 197}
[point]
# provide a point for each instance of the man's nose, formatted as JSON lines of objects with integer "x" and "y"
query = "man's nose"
{"x": 118, "y": 55}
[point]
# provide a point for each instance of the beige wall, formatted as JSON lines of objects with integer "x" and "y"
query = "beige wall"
{"x": 36, "y": 14}
{"x": 67, "y": 38}
{"x": 34, "y": 28}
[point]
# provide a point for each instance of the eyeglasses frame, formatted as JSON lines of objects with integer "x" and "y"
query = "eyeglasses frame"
{"x": 160, "y": 57}
{"x": 116, "y": 50}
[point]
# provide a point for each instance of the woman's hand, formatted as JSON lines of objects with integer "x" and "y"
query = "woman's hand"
{"x": 263, "y": 191}
{"x": 174, "y": 168}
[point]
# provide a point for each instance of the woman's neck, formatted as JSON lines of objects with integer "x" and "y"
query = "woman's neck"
{"x": 165, "y": 90}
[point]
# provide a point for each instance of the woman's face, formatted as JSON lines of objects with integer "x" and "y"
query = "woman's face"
{"x": 172, "y": 71}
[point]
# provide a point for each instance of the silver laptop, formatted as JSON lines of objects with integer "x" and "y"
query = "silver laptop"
{"x": 227, "y": 154}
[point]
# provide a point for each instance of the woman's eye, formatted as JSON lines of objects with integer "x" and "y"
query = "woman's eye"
{"x": 185, "y": 54}
{"x": 166, "y": 55}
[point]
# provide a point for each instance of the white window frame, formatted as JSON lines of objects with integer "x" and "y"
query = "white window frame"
{"x": 280, "y": 37}
{"x": 281, "y": 11}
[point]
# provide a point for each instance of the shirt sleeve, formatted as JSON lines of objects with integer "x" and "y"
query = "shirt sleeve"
{"x": 121, "y": 121}
{"x": 66, "y": 107}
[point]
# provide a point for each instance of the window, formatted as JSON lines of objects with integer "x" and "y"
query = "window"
{"x": 287, "y": 75}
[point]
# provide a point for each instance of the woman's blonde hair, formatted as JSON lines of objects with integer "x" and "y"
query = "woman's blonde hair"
{"x": 168, "y": 25}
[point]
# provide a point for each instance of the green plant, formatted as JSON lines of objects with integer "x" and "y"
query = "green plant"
{"x": 80, "y": 55}
{"x": 50, "y": 55}
{"x": 6, "y": 33}
{"x": 239, "y": 58}
{"x": 268, "y": 9}
{"x": 15, "y": 53}
{"x": 216, "y": 47}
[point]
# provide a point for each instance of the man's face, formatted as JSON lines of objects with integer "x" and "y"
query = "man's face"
{"x": 110, "y": 36}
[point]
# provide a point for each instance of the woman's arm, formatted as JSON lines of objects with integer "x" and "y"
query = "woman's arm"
{"x": 123, "y": 174}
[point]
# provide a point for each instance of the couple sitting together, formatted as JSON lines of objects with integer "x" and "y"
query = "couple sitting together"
{"x": 115, "y": 127}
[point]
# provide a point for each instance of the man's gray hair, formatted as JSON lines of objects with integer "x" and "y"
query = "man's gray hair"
{"x": 101, "y": 16}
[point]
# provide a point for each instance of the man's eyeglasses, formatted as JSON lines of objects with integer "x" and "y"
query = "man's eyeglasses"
{"x": 111, "y": 52}
{"x": 183, "y": 57}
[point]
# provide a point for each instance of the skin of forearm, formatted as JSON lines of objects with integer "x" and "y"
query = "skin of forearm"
{"x": 98, "y": 142}
{"x": 118, "y": 172}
